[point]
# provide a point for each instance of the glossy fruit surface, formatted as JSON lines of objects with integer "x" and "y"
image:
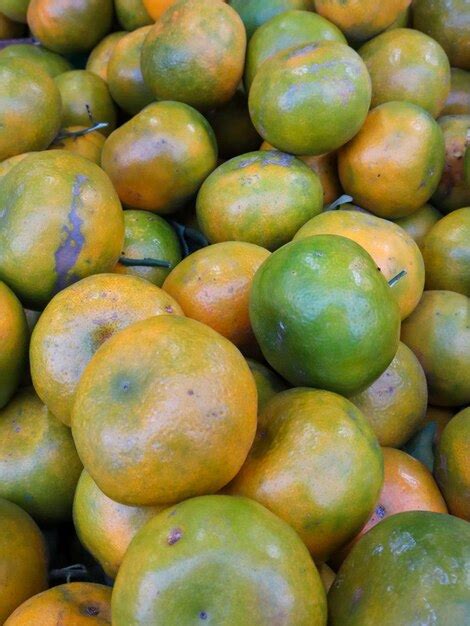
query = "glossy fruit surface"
{"x": 98, "y": 59}
{"x": 50, "y": 62}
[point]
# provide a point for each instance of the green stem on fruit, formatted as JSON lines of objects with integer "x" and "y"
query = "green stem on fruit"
{"x": 344, "y": 199}
{"x": 66, "y": 134}
{"x": 146, "y": 262}
{"x": 393, "y": 281}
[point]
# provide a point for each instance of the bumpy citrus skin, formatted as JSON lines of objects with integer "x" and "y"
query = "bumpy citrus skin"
{"x": 15, "y": 9}
{"x": 61, "y": 220}
{"x": 23, "y": 558}
{"x": 39, "y": 466}
{"x": 268, "y": 383}
{"x": 316, "y": 464}
{"x": 213, "y": 286}
{"x": 132, "y": 14}
{"x": 405, "y": 64}
{"x": 447, "y": 254}
{"x": 98, "y": 59}
{"x": 310, "y": 99}
{"x": 50, "y": 62}
{"x": 446, "y": 21}
{"x": 159, "y": 159}
{"x": 70, "y": 26}
{"x": 361, "y": 19}
{"x": 74, "y": 604}
{"x": 86, "y": 100}
{"x": 395, "y": 403}
{"x": 195, "y": 53}
{"x": 193, "y": 403}
{"x": 262, "y": 198}
{"x": 458, "y": 101}
{"x": 222, "y": 559}
{"x": 419, "y": 223}
{"x": 392, "y": 249}
{"x": 453, "y": 191}
{"x": 14, "y": 337}
{"x": 394, "y": 164}
{"x": 30, "y": 108}
{"x": 451, "y": 466}
{"x": 125, "y": 80}
{"x": 255, "y": 13}
{"x": 75, "y": 324}
{"x": 292, "y": 28}
{"x": 106, "y": 528}
{"x": 412, "y": 556}
{"x": 438, "y": 333}
{"x": 324, "y": 315}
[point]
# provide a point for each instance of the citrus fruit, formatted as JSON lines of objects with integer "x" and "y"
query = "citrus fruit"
{"x": 81, "y": 140}
{"x": 419, "y": 223}
{"x": 260, "y": 197}
{"x": 255, "y": 13}
{"x": 68, "y": 26}
{"x": 193, "y": 403}
{"x": 394, "y": 164}
{"x": 23, "y": 560}
{"x": 86, "y": 100}
{"x": 61, "y": 220}
{"x": 453, "y": 191}
{"x": 10, "y": 29}
{"x": 438, "y": 333}
{"x": 327, "y": 575}
{"x": 361, "y": 19}
{"x": 292, "y": 28}
{"x": 392, "y": 249}
{"x": 156, "y": 8}
{"x": 30, "y": 108}
{"x": 214, "y": 559}
{"x": 420, "y": 557}
{"x": 98, "y": 59}
{"x": 310, "y": 99}
{"x": 395, "y": 403}
{"x": 149, "y": 236}
{"x": 75, "y": 324}
{"x": 50, "y": 62}
{"x": 441, "y": 417}
{"x": 159, "y": 159}
{"x": 446, "y": 21}
{"x": 9, "y": 164}
{"x": 132, "y": 14}
{"x": 15, "y": 9}
{"x": 14, "y": 337}
{"x": 39, "y": 466}
{"x": 323, "y": 314}
{"x": 213, "y": 286}
{"x": 402, "y": 20}
{"x": 233, "y": 128}
{"x": 268, "y": 383}
{"x": 74, "y": 604}
{"x": 106, "y": 528}
{"x": 325, "y": 167}
{"x": 405, "y": 64}
{"x": 183, "y": 60}
{"x": 458, "y": 101}
{"x": 125, "y": 80}
{"x": 451, "y": 467}
{"x": 316, "y": 464}
{"x": 446, "y": 253}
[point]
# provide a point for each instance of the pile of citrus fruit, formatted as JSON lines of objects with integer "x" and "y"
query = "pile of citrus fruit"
{"x": 235, "y": 312}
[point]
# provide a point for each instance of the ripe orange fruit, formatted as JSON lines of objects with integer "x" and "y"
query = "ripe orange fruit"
{"x": 60, "y": 220}
{"x": 98, "y": 59}
{"x": 183, "y": 60}
{"x": 106, "y": 528}
{"x": 394, "y": 164}
{"x": 310, "y": 99}
{"x": 261, "y": 197}
{"x": 156, "y": 8}
{"x": 215, "y": 558}
{"x": 159, "y": 159}
{"x": 67, "y": 26}
{"x": 14, "y": 338}
{"x": 392, "y": 249}
{"x": 458, "y": 101}
{"x": 78, "y": 140}
{"x": 77, "y": 321}
{"x": 419, "y": 223}
{"x": 30, "y": 108}
{"x": 73, "y": 604}
{"x": 132, "y": 14}
{"x": 316, "y": 464}
{"x": 193, "y": 404}
{"x": 268, "y": 383}
{"x": 23, "y": 559}
{"x": 213, "y": 286}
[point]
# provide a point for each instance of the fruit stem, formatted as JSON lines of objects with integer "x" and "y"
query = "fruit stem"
{"x": 344, "y": 199}
{"x": 69, "y": 573}
{"x": 65, "y": 134}
{"x": 146, "y": 262}
{"x": 393, "y": 281}
{"x": 186, "y": 234}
